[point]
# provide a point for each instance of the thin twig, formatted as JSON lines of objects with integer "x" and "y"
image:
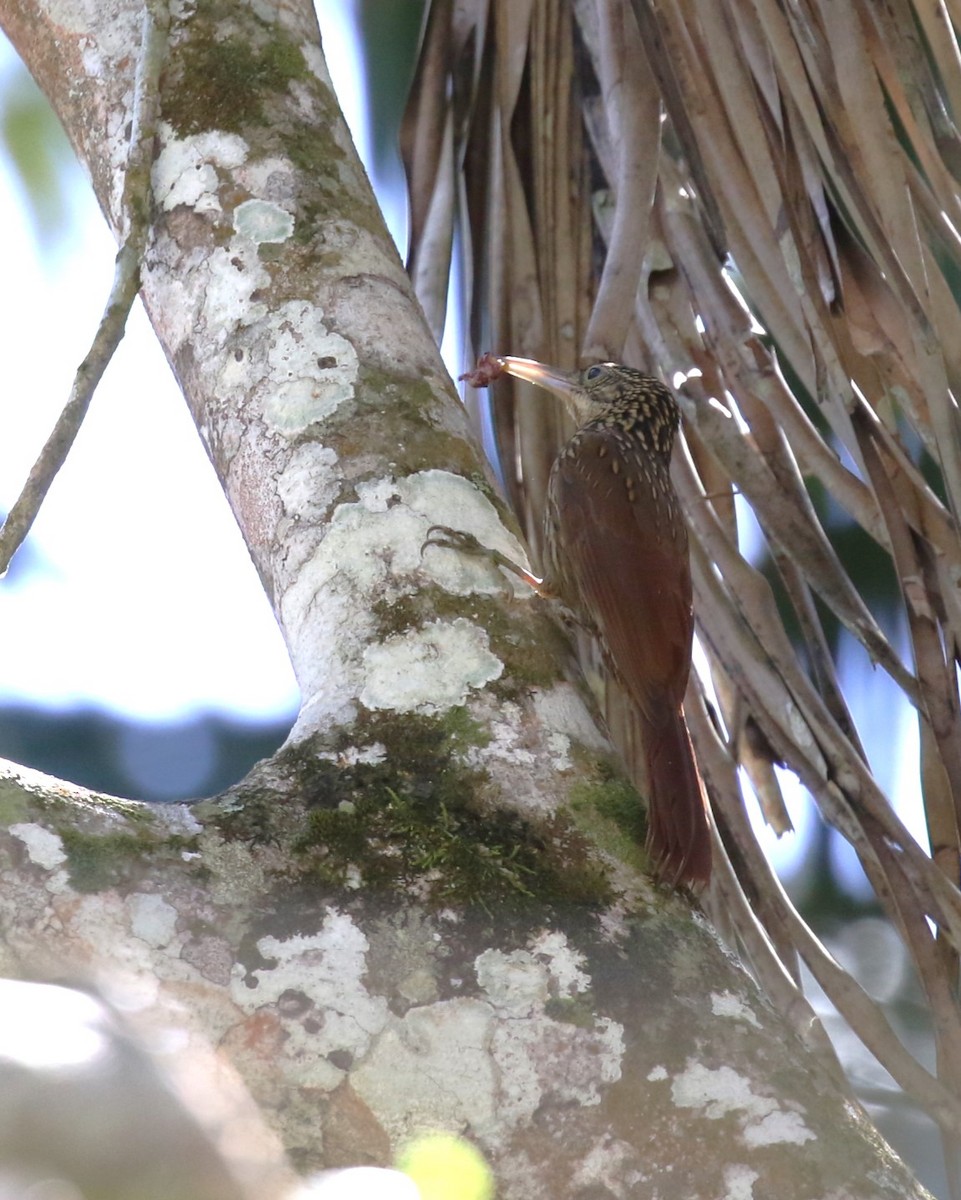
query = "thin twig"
{"x": 135, "y": 209}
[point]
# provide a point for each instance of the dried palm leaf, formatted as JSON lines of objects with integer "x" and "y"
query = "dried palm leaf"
{"x": 761, "y": 197}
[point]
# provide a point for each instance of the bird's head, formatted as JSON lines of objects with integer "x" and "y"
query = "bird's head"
{"x": 607, "y": 394}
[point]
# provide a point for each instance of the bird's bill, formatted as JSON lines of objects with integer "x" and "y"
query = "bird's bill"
{"x": 561, "y": 383}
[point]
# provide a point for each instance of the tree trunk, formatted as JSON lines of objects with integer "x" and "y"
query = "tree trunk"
{"x": 429, "y": 908}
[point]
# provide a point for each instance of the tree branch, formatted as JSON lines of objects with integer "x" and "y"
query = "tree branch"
{"x": 135, "y": 207}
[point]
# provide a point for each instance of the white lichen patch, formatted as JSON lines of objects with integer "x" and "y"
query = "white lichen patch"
{"x": 231, "y": 277}
{"x": 372, "y": 553}
{"x": 447, "y": 499}
{"x": 521, "y": 757}
{"x": 105, "y": 54}
{"x": 432, "y": 1069}
{"x": 607, "y": 1167}
{"x": 282, "y": 359}
{"x": 541, "y": 1059}
{"x": 777, "y": 1127}
{"x": 559, "y": 745}
{"x": 261, "y": 221}
{"x": 351, "y": 756}
{"x": 376, "y": 494}
{"x": 720, "y": 1091}
{"x": 100, "y": 924}
{"x": 492, "y": 1061}
{"x": 739, "y": 1181}
{"x": 308, "y": 370}
{"x": 564, "y": 963}
{"x": 272, "y": 178}
{"x": 44, "y": 848}
{"x": 726, "y": 1004}
{"x": 542, "y": 1056}
{"x": 326, "y": 972}
{"x": 523, "y": 980}
{"x": 562, "y": 710}
{"x": 430, "y": 669}
{"x": 508, "y": 743}
{"x": 516, "y": 984}
{"x": 310, "y": 482}
{"x": 151, "y": 918}
{"x": 564, "y": 719}
{"x": 186, "y": 169}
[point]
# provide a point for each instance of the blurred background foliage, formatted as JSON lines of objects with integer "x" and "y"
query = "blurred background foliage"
{"x": 39, "y": 154}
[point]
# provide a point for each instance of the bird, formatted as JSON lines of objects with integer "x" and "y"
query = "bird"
{"x": 616, "y": 555}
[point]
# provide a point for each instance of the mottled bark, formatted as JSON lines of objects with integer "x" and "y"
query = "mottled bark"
{"x": 428, "y": 910}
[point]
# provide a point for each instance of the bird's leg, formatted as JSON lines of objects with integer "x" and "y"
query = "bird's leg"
{"x": 467, "y": 543}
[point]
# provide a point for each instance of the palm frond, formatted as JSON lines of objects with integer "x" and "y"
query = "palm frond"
{"x": 761, "y": 199}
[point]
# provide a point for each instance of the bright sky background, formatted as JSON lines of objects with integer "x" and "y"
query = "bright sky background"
{"x": 141, "y": 588}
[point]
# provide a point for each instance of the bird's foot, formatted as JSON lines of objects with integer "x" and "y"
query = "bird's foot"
{"x": 460, "y": 540}
{"x": 457, "y": 539}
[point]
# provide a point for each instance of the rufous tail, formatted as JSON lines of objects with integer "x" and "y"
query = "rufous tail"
{"x": 678, "y": 831}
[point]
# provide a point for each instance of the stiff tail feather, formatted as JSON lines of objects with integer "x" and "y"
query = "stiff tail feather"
{"x": 678, "y": 831}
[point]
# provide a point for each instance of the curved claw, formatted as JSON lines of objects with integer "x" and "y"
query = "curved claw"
{"x": 468, "y": 543}
{"x": 455, "y": 539}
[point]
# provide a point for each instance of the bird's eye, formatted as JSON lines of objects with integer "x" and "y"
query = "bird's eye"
{"x": 594, "y": 372}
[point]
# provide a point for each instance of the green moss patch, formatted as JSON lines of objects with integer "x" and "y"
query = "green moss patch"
{"x": 97, "y": 862}
{"x": 422, "y": 819}
{"x": 222, "y": 83}
{"x": 610, "y": 806}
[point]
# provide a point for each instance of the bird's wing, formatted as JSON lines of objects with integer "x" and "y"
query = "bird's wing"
{"x": 628, "y": 561}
